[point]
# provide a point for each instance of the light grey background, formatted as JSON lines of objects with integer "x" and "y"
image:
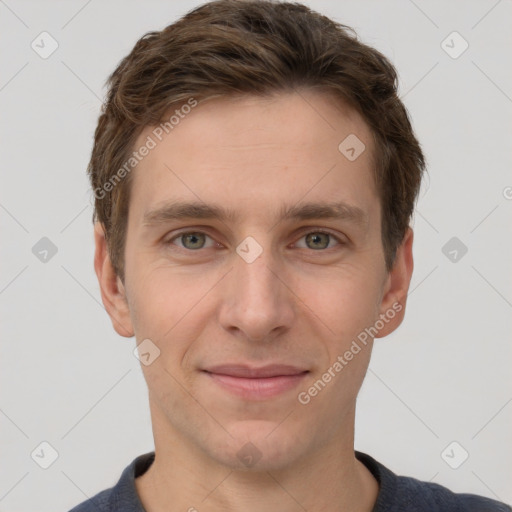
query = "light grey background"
{"x": 68, "y": 379}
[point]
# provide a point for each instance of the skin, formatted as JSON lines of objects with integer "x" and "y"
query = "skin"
{"x": 294, "y": 304}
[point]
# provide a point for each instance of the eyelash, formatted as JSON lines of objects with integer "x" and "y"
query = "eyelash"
{"x": 181, "y": 233}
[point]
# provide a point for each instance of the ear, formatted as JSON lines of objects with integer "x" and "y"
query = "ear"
{"x": 397, "y": 286}
{"x": 113, "y": 293}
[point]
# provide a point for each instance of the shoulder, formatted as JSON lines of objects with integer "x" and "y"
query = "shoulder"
{"x": 98, "y": 503}
{"x": 122, "y": 497}
{"x": 399, "y": 493}
{"x": 420, "y": 496}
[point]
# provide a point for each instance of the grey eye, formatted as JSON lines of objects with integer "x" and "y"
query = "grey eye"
{"x": 192, "y": 240}
{"x": 317, "y": 240}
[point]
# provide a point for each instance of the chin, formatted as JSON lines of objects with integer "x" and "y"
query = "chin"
{"x": 258, "y": 445}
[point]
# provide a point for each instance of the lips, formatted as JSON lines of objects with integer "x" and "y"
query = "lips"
{"x": 273, "y": 370}
{"x": 256, "y": 383}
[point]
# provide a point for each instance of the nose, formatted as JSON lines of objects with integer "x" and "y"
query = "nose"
{"x": 257, "y": 302}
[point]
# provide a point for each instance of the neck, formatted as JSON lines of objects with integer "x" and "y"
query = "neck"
{"x": 183, "y": 478}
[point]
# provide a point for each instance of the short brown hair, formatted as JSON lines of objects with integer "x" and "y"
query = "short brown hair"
{"x": 260, "y": 47}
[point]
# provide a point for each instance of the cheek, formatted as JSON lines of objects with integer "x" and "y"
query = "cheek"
{"x": 162, "y": 296}
{"x": 168, "y": 307}
{"x": 345, "y": 300}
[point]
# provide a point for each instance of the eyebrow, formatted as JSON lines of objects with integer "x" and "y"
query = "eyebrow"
{"x": 177, "y": 210}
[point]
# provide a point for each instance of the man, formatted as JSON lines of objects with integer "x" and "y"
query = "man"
{"x": 255, "y": 173}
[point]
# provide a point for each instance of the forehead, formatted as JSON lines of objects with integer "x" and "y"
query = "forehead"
{"x": 249, "y": 153}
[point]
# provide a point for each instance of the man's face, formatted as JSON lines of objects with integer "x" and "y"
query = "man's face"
{"x": 241, "y": 337}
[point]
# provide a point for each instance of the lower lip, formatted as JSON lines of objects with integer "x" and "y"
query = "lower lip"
{"x": 257, "y": 389}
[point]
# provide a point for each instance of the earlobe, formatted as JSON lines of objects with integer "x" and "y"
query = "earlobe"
{"x": 394, "y": 299}
{"x": 113, "y": 293}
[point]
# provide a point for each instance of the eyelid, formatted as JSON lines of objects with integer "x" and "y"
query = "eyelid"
{"x": 187, "y": 231}
{"x": 339, "y": 239}
{"x": 302, "y": 231}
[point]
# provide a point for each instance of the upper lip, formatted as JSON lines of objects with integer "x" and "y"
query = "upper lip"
{"x": 250, "y": 372}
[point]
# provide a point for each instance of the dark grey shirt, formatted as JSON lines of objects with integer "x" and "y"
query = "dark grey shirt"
{"x": 396, "y": 493}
